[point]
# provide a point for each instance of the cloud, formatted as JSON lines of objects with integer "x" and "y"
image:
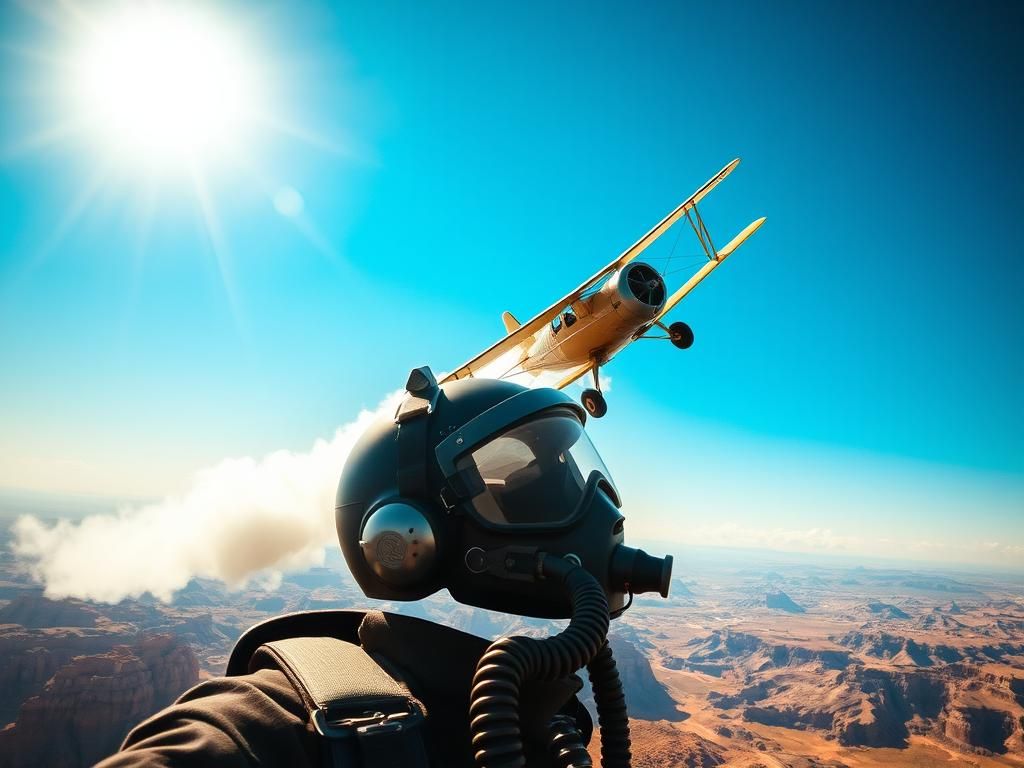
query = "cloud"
{"x": 786, "y": 539}
{"x": 1013, "y": 553}
{"x": 818, "y": 540}
{"x": 240, "y": 519}
{"x": 926, "y": 545}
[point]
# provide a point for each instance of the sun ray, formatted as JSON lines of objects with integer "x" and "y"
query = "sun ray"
{"x": 64, "y": 16}
{"x": 77, "y": 208}
{"x": 41, "y": 139}
{"x": 145, "y": 210}
{"x": 306, "y": 226}
{"x": 79, "y": 205}
{"x": 217, "y": 241}
{"x": 36, "y": 55}
{"x": 48, "y": 14}
{"x": 302, "y": 221}
{"x": 312, "y": 139}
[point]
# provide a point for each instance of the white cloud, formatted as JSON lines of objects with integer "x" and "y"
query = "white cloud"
{"x": 1014, "y": 552}
{"x": 787, "y": 539}
{"x": 926, "y": 545}
{"x": 240, "y": 519}
{"x": 817, "y": 540}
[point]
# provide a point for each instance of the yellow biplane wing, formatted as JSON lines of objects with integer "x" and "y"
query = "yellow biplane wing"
{"x": 521, "y": 337}
{"x": 707, "y": 269}
{"x": 574, "y": 375}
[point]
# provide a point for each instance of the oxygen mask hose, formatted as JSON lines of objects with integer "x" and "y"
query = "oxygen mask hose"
{"x": 566, "y": 743}
{"x": 511, "y": 661}
{"x": 612, "y": 715}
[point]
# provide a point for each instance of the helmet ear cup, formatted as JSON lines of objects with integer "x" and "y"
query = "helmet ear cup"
{"x": 399, "y": 543}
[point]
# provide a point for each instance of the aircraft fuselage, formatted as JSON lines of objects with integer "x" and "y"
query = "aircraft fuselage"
{"x": 594, "y": 328}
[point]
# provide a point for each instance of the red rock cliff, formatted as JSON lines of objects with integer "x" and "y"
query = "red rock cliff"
{"x": 89, "y": 705}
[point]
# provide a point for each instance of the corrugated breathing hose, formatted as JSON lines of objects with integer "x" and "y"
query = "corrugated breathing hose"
{"x": 510, "y": 661}
{"x": 612, "y": 715}
{"x": 567, "y": 747}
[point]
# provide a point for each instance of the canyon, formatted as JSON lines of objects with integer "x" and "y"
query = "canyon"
{"x": 755, "y": 664}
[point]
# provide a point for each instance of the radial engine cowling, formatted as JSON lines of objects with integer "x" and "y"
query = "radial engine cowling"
{"x": 637, "y": 289}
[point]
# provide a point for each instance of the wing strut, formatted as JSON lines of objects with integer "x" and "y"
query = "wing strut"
{"x": 708, "y": 268}
{"x": 701, "y": 230}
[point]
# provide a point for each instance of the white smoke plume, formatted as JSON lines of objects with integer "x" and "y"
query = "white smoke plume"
{"x": 240, "y": 519}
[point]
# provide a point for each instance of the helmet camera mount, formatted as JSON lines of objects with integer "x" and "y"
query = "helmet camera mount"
{"x": 495, "y": 492}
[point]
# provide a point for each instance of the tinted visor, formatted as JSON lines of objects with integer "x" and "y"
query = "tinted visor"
{"x": 532, "y": 474}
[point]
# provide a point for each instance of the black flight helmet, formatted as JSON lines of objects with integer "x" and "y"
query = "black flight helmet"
{"x": 468, "y": 484}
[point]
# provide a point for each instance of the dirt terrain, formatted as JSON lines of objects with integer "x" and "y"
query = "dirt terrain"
{"x": 873, "y": 667}
{"x": 746, "y": 664}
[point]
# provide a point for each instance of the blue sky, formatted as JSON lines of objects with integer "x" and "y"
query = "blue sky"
{"x": 858, "y": 365}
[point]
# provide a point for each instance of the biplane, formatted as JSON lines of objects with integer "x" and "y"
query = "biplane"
{"x": 625, "y": 301}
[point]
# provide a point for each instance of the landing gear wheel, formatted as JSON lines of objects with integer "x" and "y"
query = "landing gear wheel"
{"x": 594, "y": 402}
{"x": 681, "y": 335}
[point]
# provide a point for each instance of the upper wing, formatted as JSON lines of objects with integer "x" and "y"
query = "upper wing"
{"x": 527, "y": 330}
{"x": 708, "y": 268}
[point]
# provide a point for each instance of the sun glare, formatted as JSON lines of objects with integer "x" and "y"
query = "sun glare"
{"x": 159, "y": 85}
{"x": 165, "y": 101}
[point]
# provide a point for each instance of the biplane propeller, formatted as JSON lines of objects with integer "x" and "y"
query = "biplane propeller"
{"x": 623, "y": 302}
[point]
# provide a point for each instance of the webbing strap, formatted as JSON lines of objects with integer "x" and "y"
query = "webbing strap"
{"x": 412, "y": 458}
{"x": 367, "y": 718}
{"x": 412, "y": 417}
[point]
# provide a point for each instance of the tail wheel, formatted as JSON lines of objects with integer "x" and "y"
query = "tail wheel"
{"x": 681, "y": 335}
{"x": 594, "y": 402}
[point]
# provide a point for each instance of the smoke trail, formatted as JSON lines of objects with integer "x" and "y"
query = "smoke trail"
{"x": 241, "y": 518}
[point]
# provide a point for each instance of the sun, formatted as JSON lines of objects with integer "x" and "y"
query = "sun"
{"x": 164, "y": 102}
{"x": 161, "y": 85}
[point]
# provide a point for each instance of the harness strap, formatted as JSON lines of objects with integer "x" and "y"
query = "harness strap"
{"x": 412, "y": 458}
{"x": 411, "y": 417}
{"x": 366, "y": 717}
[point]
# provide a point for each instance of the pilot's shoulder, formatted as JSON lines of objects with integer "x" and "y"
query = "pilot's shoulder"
{"x": 235, "y": 721}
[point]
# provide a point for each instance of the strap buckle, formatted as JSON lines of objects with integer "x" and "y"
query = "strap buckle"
{"x": 389, "y": 739}
{"x": 366, "y": 724}
{"x": 445, "y": 498}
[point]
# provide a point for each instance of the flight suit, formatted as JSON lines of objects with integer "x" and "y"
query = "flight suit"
{"x": 256, "y": 716}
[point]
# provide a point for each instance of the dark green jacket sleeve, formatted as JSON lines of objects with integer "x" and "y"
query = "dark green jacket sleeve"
{"x": 250, "y": 720}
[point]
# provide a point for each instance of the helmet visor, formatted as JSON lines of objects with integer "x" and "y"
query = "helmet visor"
{"x": 532, "y": 474}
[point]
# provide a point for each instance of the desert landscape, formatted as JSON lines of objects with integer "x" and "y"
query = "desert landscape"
{"x": 755, "y": 660}
{"x": 260, "y": 261}
{"x": 801, "y": 665}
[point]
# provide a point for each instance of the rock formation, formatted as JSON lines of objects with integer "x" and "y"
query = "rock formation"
{"x": 986, "y": 730}
{"x": 87, "y": 707}
{"x": 780, "y": 601}
{"x": 647, "y": 697}
{"x": 30, "y": 657}
{"x": 900, "y": 649}
{"x": 887, "y": 611}
{"x": 862, "y": 705}
{"x": 727, "y": 650}
{"x": 661, "y": 745}
{"x": 34, "y": 611}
